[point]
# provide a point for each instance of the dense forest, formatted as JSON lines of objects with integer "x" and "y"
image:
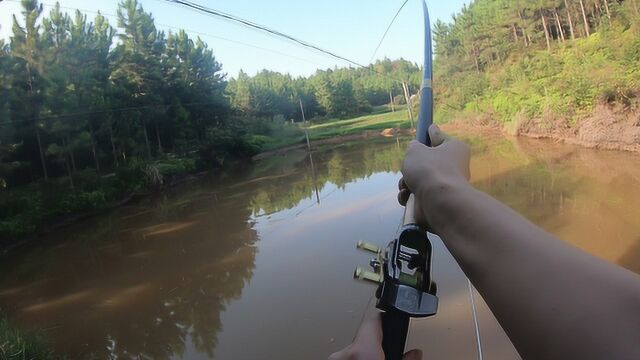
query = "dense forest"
{"x": 80, "y": 93}
{"x": 557, "y": 59}
{"x": 91, "y": 111}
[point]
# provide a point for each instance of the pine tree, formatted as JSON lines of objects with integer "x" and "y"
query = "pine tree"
{"x": 27, "y": 45}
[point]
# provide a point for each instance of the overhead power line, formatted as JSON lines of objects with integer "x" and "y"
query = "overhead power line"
{"x": 388, "y": 28}
{"x": 114, "y": 16}
{"x": 247, "y": 23}
{"x": 263, "y": 28}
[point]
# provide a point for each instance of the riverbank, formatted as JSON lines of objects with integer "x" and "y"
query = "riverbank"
{"x": 35, "y": 209}
{"x": 29, "y": 211}
{"x": 32, "y": 210}
{"x": 606, "y": 128}
{"x": 14, "y": 344}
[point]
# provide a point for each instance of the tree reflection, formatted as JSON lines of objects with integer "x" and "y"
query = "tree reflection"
{"x": 143, "y": 293}
{"x": 152, "y": 280}
{"x": 338, "y": 166}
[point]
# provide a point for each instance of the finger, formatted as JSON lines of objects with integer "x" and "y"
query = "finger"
{"x": 415, "y": 354}
{"x": 401, "y": 184}
{"x": 436, "y": 135}
{"x": 371, "y": 328}
{"x": 403, "y": 196}
{"x": 413, "y": 143}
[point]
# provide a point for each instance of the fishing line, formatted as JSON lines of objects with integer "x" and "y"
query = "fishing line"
{"x": 364, "y": 315}
{"x": 476, "y": 326}
{"x": 388, "y": 28}
{"x": 248, "y": 23}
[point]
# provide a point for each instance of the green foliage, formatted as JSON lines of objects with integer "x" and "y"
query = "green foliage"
{"x": 270, "y": 134}
{"x": 171, "y": 167}
{"x": 73, "y": 98}
{"x": 62, "y": 77}
{"x": 507, "y": 70}
{"x": 26, "y": 209}
{"x": 16, "y": 345}
{"x": 336, "y": 93}
{"x": 339, "y": 127}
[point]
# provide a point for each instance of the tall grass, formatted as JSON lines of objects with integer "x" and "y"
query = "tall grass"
{"x": 16, "y": 345}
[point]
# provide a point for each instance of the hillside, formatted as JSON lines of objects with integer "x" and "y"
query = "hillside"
{"x": 564, "y": 69}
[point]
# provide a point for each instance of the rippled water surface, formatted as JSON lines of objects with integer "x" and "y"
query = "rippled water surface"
{"x": 257, "y": 263}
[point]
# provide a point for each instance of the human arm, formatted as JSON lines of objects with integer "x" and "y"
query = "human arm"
{"x": 553, "y": 300}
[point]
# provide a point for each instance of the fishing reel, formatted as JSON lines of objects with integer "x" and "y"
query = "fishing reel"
{"x": 403, "y": 274}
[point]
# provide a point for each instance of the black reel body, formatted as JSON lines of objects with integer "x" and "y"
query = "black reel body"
{"x": 403, "y": 274}
{"x": 407, "y": 287}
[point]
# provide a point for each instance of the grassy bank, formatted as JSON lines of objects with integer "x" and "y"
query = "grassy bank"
{"x": 16, "y": 345}
{"x": 381, "y": 119}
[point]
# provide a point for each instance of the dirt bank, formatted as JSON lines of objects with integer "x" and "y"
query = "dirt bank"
{"x": 607, "y": 128}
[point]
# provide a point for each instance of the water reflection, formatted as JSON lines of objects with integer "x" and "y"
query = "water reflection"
{"x": 139, "y": 282}
{"x": 586, "y": 197}
{"x": 248, "y": 264}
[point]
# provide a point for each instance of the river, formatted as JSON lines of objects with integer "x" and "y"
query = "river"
{"x": 257, "y": 263}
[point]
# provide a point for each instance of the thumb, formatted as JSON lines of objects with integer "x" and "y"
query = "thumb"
{"x": 436, "y": 135}
{"x": 415, "y": 354}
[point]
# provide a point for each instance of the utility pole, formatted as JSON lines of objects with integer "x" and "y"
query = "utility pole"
{"x": 313, "y": 168}
{"x": 306, "y": 126}
{"x": 405, "y": 88}
{"x": 393, "y": 108}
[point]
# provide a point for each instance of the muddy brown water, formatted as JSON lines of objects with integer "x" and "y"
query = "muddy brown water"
{"x": 248, "y": 264}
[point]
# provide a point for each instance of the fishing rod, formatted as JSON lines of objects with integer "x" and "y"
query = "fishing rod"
{"x": 402, "y": 270}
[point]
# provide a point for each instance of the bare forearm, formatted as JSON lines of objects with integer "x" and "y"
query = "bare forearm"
{"x": 554, "y": 300}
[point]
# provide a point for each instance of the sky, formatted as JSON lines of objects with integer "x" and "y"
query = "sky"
{"x": 350, "y": 28}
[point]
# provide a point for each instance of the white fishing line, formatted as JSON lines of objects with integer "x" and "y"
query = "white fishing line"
{"x": 475, "y": 320}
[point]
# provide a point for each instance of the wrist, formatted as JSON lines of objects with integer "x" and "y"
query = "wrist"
{"x": 439, "y": 201}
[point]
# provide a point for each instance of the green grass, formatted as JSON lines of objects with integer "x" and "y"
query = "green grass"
{"x": 381, "y": 118}
{"x": 379, "y": 121}
{"x": 15, "y": 345}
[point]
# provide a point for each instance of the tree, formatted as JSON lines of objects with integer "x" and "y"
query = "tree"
{"x": 138, "y": 67}
{"x": 570, "y": 19}
{"x": 584, "y": 18}
{"x": 27, "y": 45}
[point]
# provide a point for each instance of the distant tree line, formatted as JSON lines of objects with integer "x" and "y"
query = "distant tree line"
{"x": 340, "y": 92}
{"x": 76, "y": 94}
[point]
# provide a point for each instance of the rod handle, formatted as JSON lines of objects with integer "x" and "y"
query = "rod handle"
{"x": 395, "y": 327}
